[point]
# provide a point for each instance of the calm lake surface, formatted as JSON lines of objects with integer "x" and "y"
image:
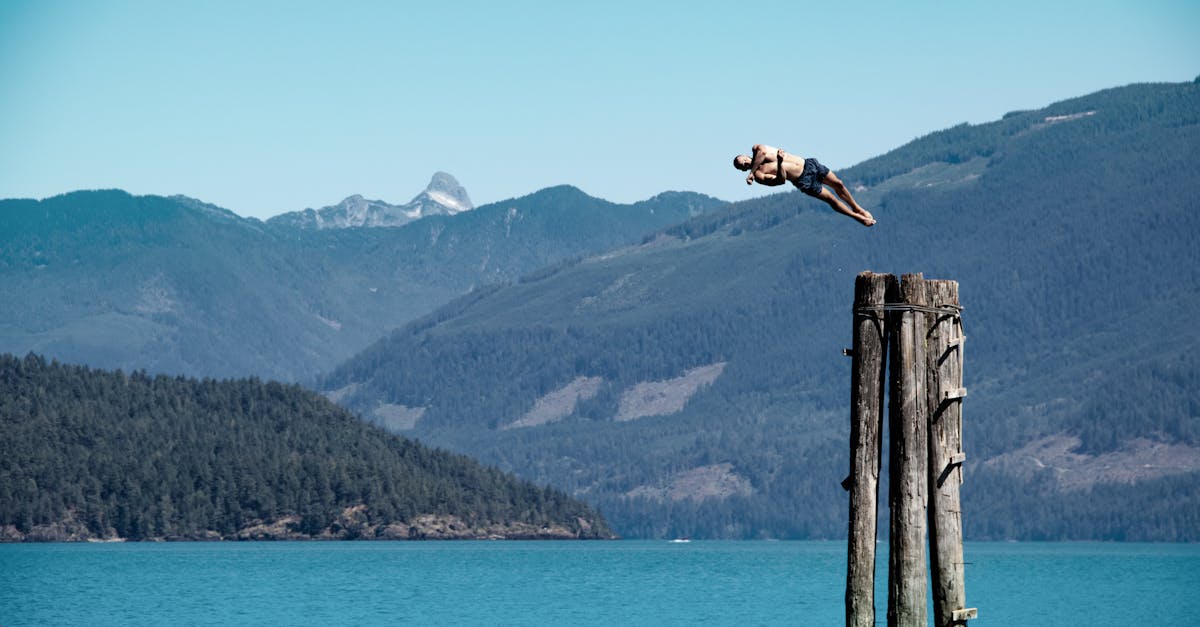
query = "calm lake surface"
{"x": 565, "y": 583}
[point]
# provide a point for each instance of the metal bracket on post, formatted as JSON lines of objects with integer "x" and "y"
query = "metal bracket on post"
{"x": 963, "y": 615}
{"x": 956, "y": 460}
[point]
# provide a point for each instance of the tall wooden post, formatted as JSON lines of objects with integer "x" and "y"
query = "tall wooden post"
{"x": 920, "y": 323}
{"x": 944, "y": 397}
{"x": 868, "y": 377}
{"x": 909, "y": 420}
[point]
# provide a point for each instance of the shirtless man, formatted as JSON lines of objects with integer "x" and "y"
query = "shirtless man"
{"x": 771, "y": 166}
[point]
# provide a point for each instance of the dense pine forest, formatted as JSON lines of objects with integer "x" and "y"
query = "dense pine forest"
{"x": 92, "y": 454}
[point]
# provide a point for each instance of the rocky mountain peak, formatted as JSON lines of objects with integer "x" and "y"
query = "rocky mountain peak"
{"x": 443, "y": 196}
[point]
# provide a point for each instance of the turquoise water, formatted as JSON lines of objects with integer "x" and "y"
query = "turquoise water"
{"x": 564, "y": 583}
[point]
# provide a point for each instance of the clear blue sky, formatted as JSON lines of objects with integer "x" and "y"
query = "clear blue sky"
{"x": 266, "y": 107}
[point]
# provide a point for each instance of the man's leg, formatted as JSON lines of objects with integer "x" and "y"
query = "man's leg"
{"x": 838, "y": 186}
{"x": 837, "y": 206}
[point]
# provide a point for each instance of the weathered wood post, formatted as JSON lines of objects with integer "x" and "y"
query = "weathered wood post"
{"x": 868, "y": 378}
{"x": 920, "y": 322}
{"x": 944, "y": 397}
{"x": 909, "y": 420}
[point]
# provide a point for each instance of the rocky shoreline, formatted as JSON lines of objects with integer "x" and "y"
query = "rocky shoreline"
{"x": 352, "y": 524}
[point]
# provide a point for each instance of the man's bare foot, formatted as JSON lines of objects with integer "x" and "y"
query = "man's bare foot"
{"x": 867, "y": 219}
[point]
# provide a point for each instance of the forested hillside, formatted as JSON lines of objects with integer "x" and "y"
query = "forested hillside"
{"x": 694, "y": 384}
{"x": 175, "y": 286}
{"x": 89, "y": 454}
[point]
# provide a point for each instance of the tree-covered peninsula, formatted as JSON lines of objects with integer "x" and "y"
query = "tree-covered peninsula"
{"x": 88, "y": 454}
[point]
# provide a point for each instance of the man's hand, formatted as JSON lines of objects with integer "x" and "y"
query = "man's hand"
{"x": 750, "y": 179}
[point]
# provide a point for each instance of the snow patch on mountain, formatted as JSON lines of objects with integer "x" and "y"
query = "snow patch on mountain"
{"x": 450, "y": 203}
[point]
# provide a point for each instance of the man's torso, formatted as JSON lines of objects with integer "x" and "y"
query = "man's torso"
{"x": 793, "y": 165}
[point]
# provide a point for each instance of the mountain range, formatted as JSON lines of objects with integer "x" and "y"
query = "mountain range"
{"x": 443, "y": 196}
{"x": 693, "y": 384}
{"x": 177, "y": 286}
{"x": 677, "y": 362}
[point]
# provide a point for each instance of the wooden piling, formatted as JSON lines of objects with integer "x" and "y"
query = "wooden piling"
{"x": 919, "y": 322}
{"x": 908, "y": 481}
{"x": 945, "y": 341}
{"x": 868, "y": 378}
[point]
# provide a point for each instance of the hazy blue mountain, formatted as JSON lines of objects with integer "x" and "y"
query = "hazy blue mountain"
{"x": 443, "y": 196}
{"x": 88, "y": 454}
{"x": 174, "y": 285}
{"x": 694, "y": 384}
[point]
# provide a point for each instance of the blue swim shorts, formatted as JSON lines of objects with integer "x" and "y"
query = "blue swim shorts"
{"x": 810, "y": 180}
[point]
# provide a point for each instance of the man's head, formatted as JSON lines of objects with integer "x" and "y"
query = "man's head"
{"x": 742, "y": 162}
